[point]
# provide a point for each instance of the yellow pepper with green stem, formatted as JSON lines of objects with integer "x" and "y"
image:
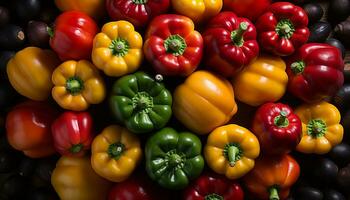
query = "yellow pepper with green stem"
{"x": 77, "y": 85}
{"x": 231, "y": 150}
{"x": 320, "y": 126}
{"x": 117, "y": 49}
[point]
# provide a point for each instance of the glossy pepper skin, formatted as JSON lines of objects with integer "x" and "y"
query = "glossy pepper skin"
{"x": 272, "y": 177}
{"x": 77, "y": 84}
{"x": 199, "y": 11}
{"x": 263, "y": 80}
{"x": 74, "y": 179}
{"x": 210, "y": 186}
{"x": 140, "y": 102}
{"x": 277, "y": 128}
{"x": 28, "y": 128}
{"x": 172, "y": 45}
{"x": 72, "y": 35}
{"x": 204, "y": 101}
{"x": 251, "y": 9}
{"x": 321, "y": 127}
{"x": 30, "y": 70}
{"x": 135, "y": 188}
{"x": 230, "y": 43}
{"x": 283, "y": 28}
{"x": 115, "y": 153}
{"x": 315, "y": 72}
{"x": 117, "y": 49}
{"x": 72, "y": 133}
{"x": 138, "y": 12}
{"x": 93, "y": 8}
{"x": 173, "y": 159}
{"x": 231, "y": 150}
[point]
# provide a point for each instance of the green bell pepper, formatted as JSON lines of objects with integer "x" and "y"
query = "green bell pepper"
{"x": 142, "y": 103}
{"x": 173, "y": 159}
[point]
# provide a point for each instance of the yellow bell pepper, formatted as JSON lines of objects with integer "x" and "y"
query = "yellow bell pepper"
{"x": 199, "y": 10}
{"x": 117, "y": 49}
{"x": 204, "y": 102}
{"x": 77, "y": 85}
{"x": 74, "y": 179}
{"x": 231, "y": 150}
{"x": 263, "y": 80}
{"x": 320, "y": 127}
{"x": 115, "y": 153}
{"x": 30, "y": 70}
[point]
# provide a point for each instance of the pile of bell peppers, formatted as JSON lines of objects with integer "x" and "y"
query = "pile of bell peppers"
{"x": 149, "y": 101}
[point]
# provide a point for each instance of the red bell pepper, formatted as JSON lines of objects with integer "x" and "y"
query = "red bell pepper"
{"x": 251, "y": 9}
{"x": 283, "y": 28}
{"x": 272, "y": 177}
{"x": 277, "y": 128}
{"x": 28, "y": 128}
{"x": 72, "y": 35}
{"x": 72, "y": 133}
{"x": 135, "y": 188}
{"x": 138, "y": 12}
{"x": 172, "y": 45}
{"x": 230, "y": 43}
{"x": 213, "y": 187}
{"x": 315, "y": 72}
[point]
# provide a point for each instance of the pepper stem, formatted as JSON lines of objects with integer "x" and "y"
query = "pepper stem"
{"x": 76, "y": 148}
{"x": 297, "y": 67}
{"x": 175, "y": 44}
{"x": 115, "y": 150}
{"x": 142, "y": 101}
{"x": 316, "y": 128}
{"x": 213, "y": 196}
{"x": 273, "y": 194}
{"x": 139, "y": 1}
{"x": 285, "y": 28}
{"x": 281, "y": 120}
{"x": 50, "y": 31}
{"x": 231, "y": 154}
{"x": 174, "y": 160}
{"x": 237, "y": 35}
{"x": 119, "y": 47}
{"x": 74, "y": 85}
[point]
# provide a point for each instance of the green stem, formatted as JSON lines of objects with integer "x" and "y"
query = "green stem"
{"x": 237, "y": 35}
{"x": 74, "y": 85}
{"x": 175, "y": 44}
{"x": 297, "y": 67}
{"x": 316, "y": 128}
{"x": 273, "y": 194}
{"x": 142, "y": 101}
{"x": 139, "y": 1}
{"x": 281, "y": 120}
{"x": 50, "y": 31}
{"x": 76, "y": 148}
{"x": 174, "y": 160}
{"x": 119, "y": 47}
{"x": 231, "y": 154}
{"x": 213, "y": 196}
{"x": 115, "y": 150}
{"x": 285, "y": 28}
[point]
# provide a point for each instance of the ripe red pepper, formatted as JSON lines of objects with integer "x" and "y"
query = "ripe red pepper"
{"x": 138, "y": 12}
{"x": 315, "y": 72}
{"x": 272, "y": 177}
{"x": 211, "y": 186}
{"x": 230, "y": 43}
{"x": 250, "y": 9}
{"x": 72, "y": 133}
{"x": 277, "y": 128}
{"x": 72, "y": 35}
{"x": 172, "y": 45}
{"x": 28, "y": 128}
{"x": 135, "y": 188}
{"x": 283, "y": 28}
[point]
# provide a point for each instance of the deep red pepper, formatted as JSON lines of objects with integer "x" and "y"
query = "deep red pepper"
{"x": 315, "y": 72}
{"x": 211, "y": 186}
{"x": 138, "y": 12}
{"x": 230, "y": 43}
{"x": 277, "y": 128}
{"x": 72, "y": 35}
{"x": 72, "y": 133}
{"x": 172, "y": 45}
{"x": 283, "y": 28}
{"x": 135, "y": 188}
{"x": 250, "y": 9}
